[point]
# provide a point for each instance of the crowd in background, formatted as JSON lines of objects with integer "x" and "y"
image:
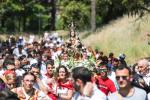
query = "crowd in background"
{"x": 53, "y": 69}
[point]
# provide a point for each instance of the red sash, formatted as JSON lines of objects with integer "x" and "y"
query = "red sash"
{"x": 68, "y": 85}
{"x": 50, "y": 94}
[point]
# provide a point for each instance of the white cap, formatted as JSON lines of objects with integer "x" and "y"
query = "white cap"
{"x": 33, "y": 61}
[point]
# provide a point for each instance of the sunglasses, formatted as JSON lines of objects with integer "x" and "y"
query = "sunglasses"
{"x": 34, "y": 64}
{"x": 102, "y": 70}
{"x": 123, "y": 77}
{"x": 36, "y": 72}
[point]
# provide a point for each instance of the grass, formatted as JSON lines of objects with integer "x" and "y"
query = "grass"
{"x": 124, "y": 35}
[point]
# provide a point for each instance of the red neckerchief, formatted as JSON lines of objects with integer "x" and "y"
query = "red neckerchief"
{"x": 50, "y": 94}
{"x": 49, "y": 76}
{"x": 68, "y": 84}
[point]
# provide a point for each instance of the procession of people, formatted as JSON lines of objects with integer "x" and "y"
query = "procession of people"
{"x": 54, "y": 69}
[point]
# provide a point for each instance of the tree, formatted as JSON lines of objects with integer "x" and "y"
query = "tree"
{"x": 53, "y": 14}
{"x": 76, "y": 11}
{"x": 137, "y": 7}
{"x": 93, "y": 15}
{"x": 40, "y": 15}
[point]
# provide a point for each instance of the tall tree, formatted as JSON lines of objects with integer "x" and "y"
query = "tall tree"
{"x": 53, "y": 14}
{"x": 93, "y": 15}
{"x": 77, "y": 11}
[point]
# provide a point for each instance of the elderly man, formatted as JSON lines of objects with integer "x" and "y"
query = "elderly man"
{"x": 27, "y": 92}
{"x": 142, "y": 78}
{"x": 143, "y": 66}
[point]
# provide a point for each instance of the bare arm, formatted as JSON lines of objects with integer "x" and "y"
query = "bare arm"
{"x": 42, "y": 86}
{"x": 68, "y": 96}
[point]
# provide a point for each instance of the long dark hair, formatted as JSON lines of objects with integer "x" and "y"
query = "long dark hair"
{"x": 66, "y": 70}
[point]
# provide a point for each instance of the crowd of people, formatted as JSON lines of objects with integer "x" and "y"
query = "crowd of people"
{"x": 53, "y": 69}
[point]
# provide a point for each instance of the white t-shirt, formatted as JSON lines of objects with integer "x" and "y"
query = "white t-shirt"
{"x": 147, "y": 79}
{"x": 16, "y": 52}
{"x": 2, "y": 72}
{"x": 112, "y": 76}
{"x": 19, "y": 72}
{"x": 96, "y": 95}
{"x": 43, "y": 68}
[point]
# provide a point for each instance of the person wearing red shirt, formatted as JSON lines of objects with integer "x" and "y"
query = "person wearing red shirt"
{"x": 103, "y": 82}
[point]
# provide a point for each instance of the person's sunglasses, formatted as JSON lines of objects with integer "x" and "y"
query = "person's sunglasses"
{"x": 123, "y": 77}
{"x": 35, "y": 64}
{"x": 35, "y": 72}
{"x": 102, "y": 70}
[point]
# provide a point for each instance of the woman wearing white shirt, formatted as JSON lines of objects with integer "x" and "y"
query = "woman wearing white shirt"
{"x": 64, "y": 88}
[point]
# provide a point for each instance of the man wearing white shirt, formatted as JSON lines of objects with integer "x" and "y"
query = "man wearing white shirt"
{"x": 86, "y": 90}
{"x": 19, "y": 51}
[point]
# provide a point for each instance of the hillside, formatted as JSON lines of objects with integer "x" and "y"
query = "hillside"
{"x": 124, "y": 35}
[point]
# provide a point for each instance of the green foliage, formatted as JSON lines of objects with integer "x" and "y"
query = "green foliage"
{"x": 28, "y": 15}
{"x": 20, "y": 15}
{"x": 3, "y": 30}
{"x": 38, "y": 8}
{"x": 59, "y": 23}
{"x": 75, "y": 11}
{"x": 136, "y": 6}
